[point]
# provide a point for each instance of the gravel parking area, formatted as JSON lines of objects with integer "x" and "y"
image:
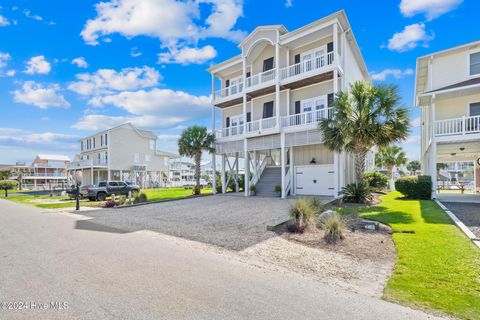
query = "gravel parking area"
{"x": 231, "y": 222}
{"x": 468, "y": 213}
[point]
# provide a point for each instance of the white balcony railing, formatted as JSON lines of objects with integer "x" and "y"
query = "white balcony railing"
{"x": 316, "y": 64}
{"x": 88, "y": 163}
{"x": 228, "y": 91}
{"x": 457, "y": 126}
{"x": 306, "y": 118}
{"x": 230, "y": 131}
{"x": 262, "y": 124}
{"x": 261, "y": 78}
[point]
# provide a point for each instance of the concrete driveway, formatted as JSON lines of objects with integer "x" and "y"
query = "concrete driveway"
{"x": 232, "y": 222}
{"x": 468, "y": 213}
{"x": 45, "y": 260}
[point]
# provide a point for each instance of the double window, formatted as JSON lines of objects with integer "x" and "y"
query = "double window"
{"x": 313, "y": 108}
{"x": 237, "y": 124}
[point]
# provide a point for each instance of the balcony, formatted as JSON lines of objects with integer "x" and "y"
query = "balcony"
{"x": 42, "y": 175}
{"x": 307, "y": 68}
{"x": 97, "y": 163}
{"x": 455, "y": 127}
{"x": 295, "y": 122}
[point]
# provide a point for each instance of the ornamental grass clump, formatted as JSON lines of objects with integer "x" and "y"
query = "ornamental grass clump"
{"x": 333, "y": 226}
{"x": 316, "y": 205}
{"x": 302, "y": 214}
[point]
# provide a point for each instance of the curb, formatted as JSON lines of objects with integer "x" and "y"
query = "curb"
{"x": 460, "y": 224}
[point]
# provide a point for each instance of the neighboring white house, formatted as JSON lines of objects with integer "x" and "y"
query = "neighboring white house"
{"x": 271, "y": 98}
{"x": 182, "y": 173}
{"x": 447, "y": 89}
{"x": 46, "y": 171}
{"x": 123, "y": 153}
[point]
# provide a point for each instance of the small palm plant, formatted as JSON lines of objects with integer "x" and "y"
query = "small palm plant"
{"x": 390, "y": 157}
{"x": 193, "y": 141}
{"x": 364, "y": 116}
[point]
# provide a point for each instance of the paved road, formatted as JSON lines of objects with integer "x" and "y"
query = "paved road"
{"x": 145, "y": 275}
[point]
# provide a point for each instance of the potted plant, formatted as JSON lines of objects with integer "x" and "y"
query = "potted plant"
{"x": 253, "y": 190}
{"x": 278, "y": 190}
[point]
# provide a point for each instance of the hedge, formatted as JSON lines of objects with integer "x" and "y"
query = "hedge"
{"x": 376, "y": 180}
{"x": 412, "y": 187}
{"x": 11, "y": 184}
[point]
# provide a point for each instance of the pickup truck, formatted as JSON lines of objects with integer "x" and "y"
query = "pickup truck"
{"x": 107, "y": 188}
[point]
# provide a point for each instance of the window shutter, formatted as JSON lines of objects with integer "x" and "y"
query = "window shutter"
{"x": 330, "y": 47}
{"x": 227, "y": 83}
{"x": 297, "y": 58}
{"x": 297, "y": 107}
{"x": 227, "y": 122}
{"x": 330, "y": 99}
{"x": 249, "y": 116}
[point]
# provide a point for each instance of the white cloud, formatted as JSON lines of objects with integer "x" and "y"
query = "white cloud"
{"x": 288, "y": 3}
{"x": 416, "y": 122}
{"x": 134, "y": 52}
{"x": 38, "y": 65}
{"x": 431, "y": 8}
{"x": 105, "y": 81}
{"x": 188, "y": 55}
{"x": 409, "y": 38}
{"x": 156, "y": 108}
{"x": 396, "y": 73}
{"x": 4, "y": 58}
{"x": 41, "y": 96}
{"x": 30, "y": 15}
{"x": 47, "y": 137}
{"x": 177, "y": 24}
{"x": 4, "y": 21}
{"x": 80, "y": 62}
{"x": 10, "y": 73}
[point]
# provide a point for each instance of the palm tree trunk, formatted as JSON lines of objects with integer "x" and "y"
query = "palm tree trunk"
{"x": 198, "y": 158}
{"x": 360, "y": 165}
{"x": 390, "y": 174}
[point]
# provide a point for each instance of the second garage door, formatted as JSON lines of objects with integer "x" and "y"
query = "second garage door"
{"x": 314, "y": 180}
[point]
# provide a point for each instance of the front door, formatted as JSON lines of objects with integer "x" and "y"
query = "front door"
{"x": 237, "y": 125}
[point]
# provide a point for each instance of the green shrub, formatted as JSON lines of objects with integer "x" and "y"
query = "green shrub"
{"x": 141, "y": 197}
{"x": 10, "y": 184}
{"x": 357, "y": 193}
{"x": 419, "y": 187}
{"x": 301, "y": 212}
{"x": 333, "y": 226}
{"x": 278, "y": 188}
{"x": 376, "y": 180}
{"x": 316, "y": 205}
{"x": 253, "y": 188}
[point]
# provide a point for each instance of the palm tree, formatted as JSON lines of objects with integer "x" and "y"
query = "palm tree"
{"x": 390, "y": 157}
{"x": 413, "y": 166}
{"x": 193, "y": 141}
{"x": 364, "y": 116}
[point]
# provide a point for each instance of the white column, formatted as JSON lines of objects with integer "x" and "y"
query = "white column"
{"x": 336, "y": 156}
{"x": 247, "y": 168}
{"x": 244, "y": 97}
{"x": 91, "y": 175}
{"x": 121, "y": 175}
{"x": 277, "y": 79}
{"x": 336, "y": 173}
{"x": 237, "y": 175}
{"x": 214, "y": 167}
{"x": 288, "y": 102}
{"x": 433, "y": 150}
{"x": 335, "y": 43}
{"x": 224, "y": 187}
{"x": 282, "y": 162}
{"x": 292, "y": 173}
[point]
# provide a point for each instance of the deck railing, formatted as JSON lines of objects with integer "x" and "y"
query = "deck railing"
{"x": 260, "y": 78}
{"x": 457, "y": 126}
{"x": 314, "y": 64}
{"x": 228, "y": 91}
{"x": 306, "y": 118}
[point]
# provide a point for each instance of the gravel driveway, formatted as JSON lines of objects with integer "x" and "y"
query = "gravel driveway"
{"x": 232, "y": 222}
{"x": 468, "y": 213}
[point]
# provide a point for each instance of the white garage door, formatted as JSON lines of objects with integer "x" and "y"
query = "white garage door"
{"x": 314, "y": 180}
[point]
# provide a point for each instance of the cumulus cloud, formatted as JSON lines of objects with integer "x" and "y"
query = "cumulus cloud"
{"x": 156, "y": 108}
{"x": 134, "y": 52}
{"x": 396, "y": 73}
{"x": 288, "y": 3}
{"x": 416, "y": 122}
{"x": 38, "y": 65}
{"x": 430, "y": 8}
{"x": 41, "y": 96}
{"x": 4, "y": 21}
{"x": 105, "y": 81}
{"x": 409, "y": 38}
{"x": 188, "y": 55}
{"x": 80, "y": 62}
{"x": 30, "y": 15}
{"x": 4, "y": 58}
{"x": 177, "y": 24}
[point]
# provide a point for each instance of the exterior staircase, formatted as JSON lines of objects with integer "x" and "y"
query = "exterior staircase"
{"x": 270, "y": 177}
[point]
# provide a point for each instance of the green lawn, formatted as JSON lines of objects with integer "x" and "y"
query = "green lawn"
{"x": 64, "y": 202}
{"x": 171, "y": 193}
{"x": 438, "y": 268}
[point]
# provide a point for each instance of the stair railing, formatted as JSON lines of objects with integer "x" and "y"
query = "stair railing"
{"x": 288, "y": 182}
{"x": 258, "y": 173}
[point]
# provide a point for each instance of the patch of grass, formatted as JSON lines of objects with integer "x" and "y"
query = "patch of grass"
{"x": 172, "y": 193}
{"x": 438, "y": 267}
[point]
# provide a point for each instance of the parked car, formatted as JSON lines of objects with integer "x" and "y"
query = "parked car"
{"x": 72, "y": 191}
{"x": 107, "y": 188}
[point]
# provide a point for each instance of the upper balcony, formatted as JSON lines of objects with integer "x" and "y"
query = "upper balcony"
{"x": 464, "y": 128}
{"x": 90, "y": 163}
{"x": 290, "y": 123}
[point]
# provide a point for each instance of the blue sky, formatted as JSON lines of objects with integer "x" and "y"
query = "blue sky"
{"x": 68, "y": 69}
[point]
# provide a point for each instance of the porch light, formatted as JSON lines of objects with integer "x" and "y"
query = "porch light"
{"x": 453, "y": 154}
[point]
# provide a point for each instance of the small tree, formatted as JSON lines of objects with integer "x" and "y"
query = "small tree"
{"x": 414, "y": 166}
{"x": 390, "y": 157}
{"x": 364, "y": 116}
{"x": 193, "y": 141}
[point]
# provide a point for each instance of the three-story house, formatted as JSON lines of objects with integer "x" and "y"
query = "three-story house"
{"x": 270, "y": 100}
